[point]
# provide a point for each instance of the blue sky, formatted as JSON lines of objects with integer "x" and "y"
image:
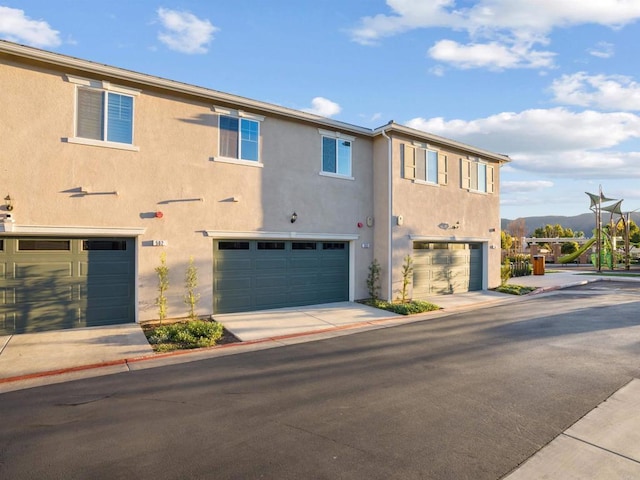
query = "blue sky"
{"x": 552, "y": 83}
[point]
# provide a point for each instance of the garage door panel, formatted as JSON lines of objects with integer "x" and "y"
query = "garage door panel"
{"x": 293, "y": 274}
{"x": 301, "y": 263}
{"x": 96, "y": 269}
{"x": 105, "y": 315}
{"x": 270, "y": 264}
{"x": 51, "y": 283}
{"x": 7, "y": 322}
{"x": 445, "y": 268}
{"x": 43, "y": 294}
{"x": 270, "y": 281}
{"x": 23, "y": 271}
{"x": 304, "y": 279}
{"x": 47, "y": 317}
{"x": 230, "y": 264}
{"x": 232, "y": 284}
{"x": 96, "y": 291}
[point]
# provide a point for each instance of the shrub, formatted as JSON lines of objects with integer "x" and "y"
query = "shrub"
{"x": 515, "y": 289}
{"x": 191, "y": 297}
{"x": 373, "y": 280}
{"x": 408, "y": 308}
{"x": 505, "y": 272}
{"x": 192, "y": 334}
{"x": 407, "y": 272}
{"x": 163, "y": 286}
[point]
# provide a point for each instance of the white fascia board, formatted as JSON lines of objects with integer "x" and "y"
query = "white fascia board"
{"x": 15, "y": 229}
{"x": 450, "y": 238}
{"x": 429, "y": 137}
{"x": 281, "y": 235}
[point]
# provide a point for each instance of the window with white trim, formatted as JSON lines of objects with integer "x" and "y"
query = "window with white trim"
{"x": 336, "y": 153}
{"x": 423, "y": 165}
{"x": 239, "y": 138}
{"x": 477, "y": 175}
{"x": 103, "y": 113}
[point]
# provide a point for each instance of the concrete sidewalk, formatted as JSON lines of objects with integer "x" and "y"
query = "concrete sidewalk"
{"x": 604, "y": 444}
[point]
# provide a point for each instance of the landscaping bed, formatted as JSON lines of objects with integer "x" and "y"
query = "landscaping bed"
{"x": 181, "y": 334}
{"x": 403, "y": 308}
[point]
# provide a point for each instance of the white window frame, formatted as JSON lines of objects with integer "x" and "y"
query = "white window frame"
{"x": 409, "y": 154}
{"x": 240, "y": 115}
{"x": 471, "y": 175}
{"x": 107, "y": 87}
{"x": 336, "y": 136}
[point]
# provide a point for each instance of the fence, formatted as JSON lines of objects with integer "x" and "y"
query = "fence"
{"x": 520, "y": 267}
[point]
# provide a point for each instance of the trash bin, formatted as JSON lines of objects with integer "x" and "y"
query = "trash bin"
{"x": 538, "y": 264}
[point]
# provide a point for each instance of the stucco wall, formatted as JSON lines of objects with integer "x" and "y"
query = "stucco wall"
{"x": 425, "y": 208}
{"x": 172, "y": 171}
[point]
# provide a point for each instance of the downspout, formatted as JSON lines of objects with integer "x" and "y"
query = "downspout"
{"x": 389, "y": 196}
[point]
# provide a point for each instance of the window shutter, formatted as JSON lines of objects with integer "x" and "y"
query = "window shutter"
{"x": 465, "y": 177}
{"x": 443, "y": 169}
{"x": 89, "y": 116}
{"x": 408, "y": 161}
{"x": 490, "y": 179}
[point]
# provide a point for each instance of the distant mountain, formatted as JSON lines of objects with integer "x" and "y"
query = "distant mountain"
{"x": 585, "y": 222}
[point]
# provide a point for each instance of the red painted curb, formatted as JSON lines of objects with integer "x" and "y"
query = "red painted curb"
{"x": 49, "y": 373}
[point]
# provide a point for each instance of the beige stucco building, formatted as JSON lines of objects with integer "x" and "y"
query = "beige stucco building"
{"x": 104, "y": 169}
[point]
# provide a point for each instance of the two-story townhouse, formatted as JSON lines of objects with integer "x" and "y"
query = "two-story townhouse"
{"x": 106, "y": 170}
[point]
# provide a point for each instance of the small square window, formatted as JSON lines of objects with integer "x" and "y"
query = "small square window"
{"x": 104, "y": 116}
{"x": 336, "y": 156}
{"x": 239, "y": 138}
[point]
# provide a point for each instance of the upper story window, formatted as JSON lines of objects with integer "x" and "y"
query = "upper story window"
{"x": 336, "y": 154}
{"x": 239, "y": 137}
{"x": 423, "y": 165}
{"x": 103, "y": 114}
{"x": 477, "y": 175}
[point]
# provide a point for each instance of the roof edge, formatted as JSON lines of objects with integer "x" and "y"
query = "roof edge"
{"x": 502, "y": 158}
{"x": 62, "y": 60}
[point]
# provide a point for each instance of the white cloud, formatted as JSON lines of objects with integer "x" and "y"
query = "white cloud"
{"x": 537, "y": 130}
{"x": 602, "y": 50}
{"x": 524, "y": 186}
{"x": 503, "y": 33}
{"x": 323, "y": 107}
{"x": 17, "y": 27}
{"x": 184, "y": 32}
{"x": 555, "y": 141}
{"x": 491, "y": 55}
{"x": 609, "y": 92}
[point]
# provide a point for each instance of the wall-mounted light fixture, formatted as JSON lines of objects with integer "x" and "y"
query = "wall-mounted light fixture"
{"x": 446, "y": 226}
{"x": 8, "y": 201}
{"x": 294, "y": 217}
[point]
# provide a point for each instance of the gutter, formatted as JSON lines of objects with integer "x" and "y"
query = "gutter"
{"x": 389, "y": 194}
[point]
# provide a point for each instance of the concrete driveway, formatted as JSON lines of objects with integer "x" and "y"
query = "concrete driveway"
{"x": 281, "y": 322}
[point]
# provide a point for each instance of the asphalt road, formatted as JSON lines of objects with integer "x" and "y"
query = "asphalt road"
{"x": 468, "y": 396}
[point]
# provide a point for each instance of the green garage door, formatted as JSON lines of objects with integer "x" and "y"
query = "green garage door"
{"x": 441, "y": 268}
{"x": 57, "y": 283}
{"x": 257, "y": 275}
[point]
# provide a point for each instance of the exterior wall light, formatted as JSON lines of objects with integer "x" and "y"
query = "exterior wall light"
{"x": 294, "y": 217}
{"x": 8, "y": 202}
